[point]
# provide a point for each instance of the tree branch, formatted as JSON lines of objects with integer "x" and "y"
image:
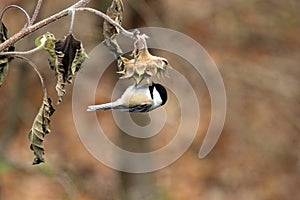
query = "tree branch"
{"x": 36, "y": 12}
{"x": 34, "y": 27}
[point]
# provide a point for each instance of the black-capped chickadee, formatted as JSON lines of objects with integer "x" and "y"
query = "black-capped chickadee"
{"x": 137, "y": 99}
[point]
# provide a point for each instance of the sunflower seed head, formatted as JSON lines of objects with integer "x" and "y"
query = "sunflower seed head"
{"x": 143, "y": 67}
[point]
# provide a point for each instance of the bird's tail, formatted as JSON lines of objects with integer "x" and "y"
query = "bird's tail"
{"x": 106, "y": 106}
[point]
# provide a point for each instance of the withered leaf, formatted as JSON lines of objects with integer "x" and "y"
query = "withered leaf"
{"x": 4, "y": 60}
{"x": 40, "y": 127}
{"x": 115, "y": 12}
{"x": 3, "y": 69}
{"x": 68, "y": 59}
{"x": 47, "y": 41}
{"x": 3, "y": 33}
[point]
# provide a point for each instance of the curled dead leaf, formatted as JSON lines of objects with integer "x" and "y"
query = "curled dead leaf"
{"x": 4, "y": 60}
{"x": 70, "y": 56}
{"x": 66, "y": 58}
{"x": 3, "y": 69}
{"x": 115, "y": 12}
{"x": 40, "y": 127}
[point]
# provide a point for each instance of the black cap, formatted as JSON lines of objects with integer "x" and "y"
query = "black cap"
{"x": 161, "y": 90}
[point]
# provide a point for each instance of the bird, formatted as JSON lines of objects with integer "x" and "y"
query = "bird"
{"x": 136, "y": 98}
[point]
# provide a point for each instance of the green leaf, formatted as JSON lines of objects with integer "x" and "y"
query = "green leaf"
{"x": 48, "y": 42}
{"x": 40, "y": 127}
{"x": 4, "y": 60}
{"x": 39, "y": 41}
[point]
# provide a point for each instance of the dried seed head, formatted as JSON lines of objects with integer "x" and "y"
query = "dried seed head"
{"x": 143, "y": 67}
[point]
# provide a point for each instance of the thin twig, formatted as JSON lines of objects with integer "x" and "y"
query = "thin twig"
{"x": 36, "y": 26}
{"x": 36, "y": 12}
{"x": 19, "y": 8}
{"x": 72, "y": 21}
{"x": 35, "y": 67}
{"x": 13, "y": 53}
{"x": 107, "y": 18}
{"x": 140, "y": 39}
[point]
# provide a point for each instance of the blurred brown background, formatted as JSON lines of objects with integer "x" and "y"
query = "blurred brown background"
{"x": 256, "y": 47}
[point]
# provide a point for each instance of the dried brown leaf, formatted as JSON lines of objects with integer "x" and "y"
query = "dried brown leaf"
{"x": 40, "y": 127}
{"x": 4, "y": 60}
{"x": 69, "y": 58}
{"x": 115, "y": 12}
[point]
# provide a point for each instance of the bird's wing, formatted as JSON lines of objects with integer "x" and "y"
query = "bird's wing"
{"x": 139, "y": 108}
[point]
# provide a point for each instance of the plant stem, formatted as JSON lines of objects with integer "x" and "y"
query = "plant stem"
{"x": 140, "y": 39}
{"x": 34, "y": 27}
{"x": 36, "y": 12}
{"x": 72, "y": 21}
{"x": 107, "y": 18}
{"x": 13, "y": 53}
{"x": 19, "y": 8}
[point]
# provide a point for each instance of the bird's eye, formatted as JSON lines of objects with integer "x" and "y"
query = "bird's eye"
{"x": 165, "y": 61}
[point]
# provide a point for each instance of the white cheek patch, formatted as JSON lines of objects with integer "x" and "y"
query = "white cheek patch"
{"x": 156, "y": 98}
